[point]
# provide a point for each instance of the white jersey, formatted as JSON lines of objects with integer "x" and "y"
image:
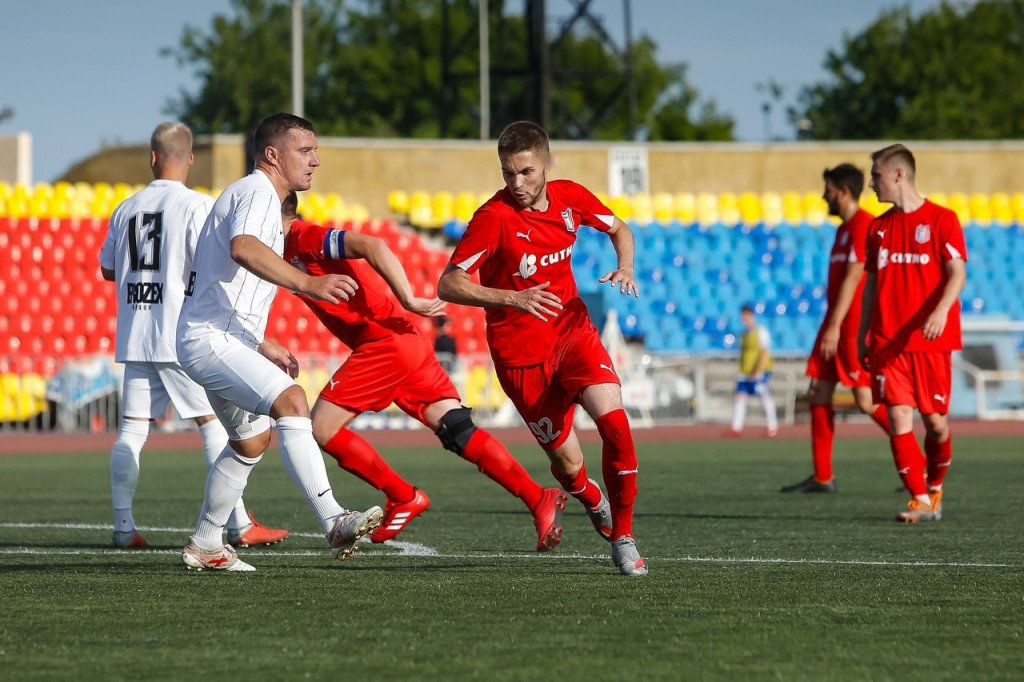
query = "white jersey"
{"x": 223, "y": 296}
{"x": 149, "y": 243}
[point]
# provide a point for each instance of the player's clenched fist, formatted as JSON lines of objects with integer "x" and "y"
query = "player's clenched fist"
{"x": 332, "y": 288}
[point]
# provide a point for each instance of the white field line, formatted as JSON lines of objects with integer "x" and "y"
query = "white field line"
{"x": 417, "y": 550}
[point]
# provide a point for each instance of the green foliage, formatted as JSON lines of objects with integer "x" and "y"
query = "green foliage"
{"x": 745, "y": 583}
{"x": 376, "y": 69}
{"x": 951, "y": 73}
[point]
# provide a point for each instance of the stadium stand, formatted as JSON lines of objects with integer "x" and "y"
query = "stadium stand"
{"x": 699, "y": 259}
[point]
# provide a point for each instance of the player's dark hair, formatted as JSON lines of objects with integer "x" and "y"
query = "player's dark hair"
{"x": 747, "y": 309}
{"x": 522, "y": 136}
{"x": 897, "y": 154}
{"x": 846, "y": 175}
{"x": 272, "y": 130}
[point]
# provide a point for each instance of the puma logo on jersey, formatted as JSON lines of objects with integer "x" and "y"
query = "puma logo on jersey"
{"x": 525, "y": 235}
{"x": 527, "y": 266}
{"x": 333, "y": 383}
{"x": 855, "y": 374}
{"x": 940, "y": 398}
{"x": 904, "y": 471}
{"x": 881, "y": 233}
{"x": 607, "y": 367}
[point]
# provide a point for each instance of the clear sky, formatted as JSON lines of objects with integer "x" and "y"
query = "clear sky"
{"x": 84, "y": 75}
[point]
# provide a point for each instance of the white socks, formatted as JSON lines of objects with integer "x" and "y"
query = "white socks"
{"x": 224, "y": 486}
{"x": 739, "y": 412}
{"x": 124, "y": 470}
{"x": 305, "y": 464}
{"x": 771, "y": 418}
{"x": 215, "y": 440}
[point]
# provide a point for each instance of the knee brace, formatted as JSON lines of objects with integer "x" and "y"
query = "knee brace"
{"x": 456, "y": 429}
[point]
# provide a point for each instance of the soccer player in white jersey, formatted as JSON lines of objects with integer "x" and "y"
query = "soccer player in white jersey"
{"x": 148, "y": 253}
{"x": 248, "y": 378}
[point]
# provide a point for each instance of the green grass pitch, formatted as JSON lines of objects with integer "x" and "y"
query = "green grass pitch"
{"x": 745, "y": 582}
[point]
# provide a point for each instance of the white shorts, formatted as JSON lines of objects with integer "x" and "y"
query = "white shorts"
{"x": 149, "y": 386}
{"x": 241, "y": 384}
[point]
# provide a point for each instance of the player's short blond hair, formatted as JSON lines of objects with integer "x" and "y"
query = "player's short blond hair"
{"x": 897, "y": 155}
{"x": 523, "y": 136}
{"x": 172, "y": 142}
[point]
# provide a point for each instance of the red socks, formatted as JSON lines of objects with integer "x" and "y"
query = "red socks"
{"x": 939, "y": 454}
{"x": 358, "y": 457}
{"x": 881, "y": 417}
{"x": 619, "y": 466}
{"x": 910, "y": 462}
{"x": 498, "y": 464}
{"x": 579, "y": 486}
{"x": 823, "y": 429}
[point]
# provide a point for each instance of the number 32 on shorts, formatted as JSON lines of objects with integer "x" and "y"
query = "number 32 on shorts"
{"x": 544, "y": 430}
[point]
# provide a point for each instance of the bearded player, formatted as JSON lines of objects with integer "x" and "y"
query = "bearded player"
{"x": 547, "y": 354}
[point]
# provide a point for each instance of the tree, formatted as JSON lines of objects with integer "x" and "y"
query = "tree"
{"x": 951, "y": 73}
{"x": 375, "y": 69}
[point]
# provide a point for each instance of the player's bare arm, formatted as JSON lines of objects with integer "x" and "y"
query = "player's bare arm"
{"x": 260, "y": 259}
{"x": 623, "y": 277}
{"x": 936, "y": 322}
{"x": 455, "y": 286}
{"x": 867, "y": 310}
{"x": 382, "y": 259}
{"x": 847, "y": 290}
{"x": 280, "y": 356}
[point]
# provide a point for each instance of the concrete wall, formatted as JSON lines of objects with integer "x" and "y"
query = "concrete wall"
{"x": 16, "y": 159}
{"x": 364, "y": 171}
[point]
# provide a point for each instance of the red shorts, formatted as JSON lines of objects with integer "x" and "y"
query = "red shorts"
{"x": 844, "y": 367}
{"x": 546, "y": 394}
{"x": 401, "y": 369}
{"x": 920, "y": 379}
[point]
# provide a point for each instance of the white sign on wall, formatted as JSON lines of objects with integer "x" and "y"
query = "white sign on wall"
{"x": 627, "y": 170}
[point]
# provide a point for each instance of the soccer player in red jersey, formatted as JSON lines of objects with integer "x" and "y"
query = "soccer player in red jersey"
{"x": 910, "y": 324}
{"x": 547, "y": 354}
{"x": 393, "y": 362}
{"x": 834, "y": 356}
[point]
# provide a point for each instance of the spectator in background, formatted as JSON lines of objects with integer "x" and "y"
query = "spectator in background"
{"x": 755, "y": 375}
{"x": 834, "y": 356}
{"x": 249, "y": 378}
{"x": 910, "y": 324}
{"x": 148, "y": 253}
{"x": 444, "y": 345}
{"x": 547, "y": 353}
{"x": 392, "y": 362}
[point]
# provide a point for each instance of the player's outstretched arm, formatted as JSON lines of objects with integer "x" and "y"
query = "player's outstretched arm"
{"x": 625, "y": 250}
{"x": 260, "y": 259}
{"x": 382, "y": 259}
{"x": 455, "y": 286}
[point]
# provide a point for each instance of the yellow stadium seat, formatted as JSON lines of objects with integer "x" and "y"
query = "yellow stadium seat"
{"x": 792, "y": 207}
{"x": 1002, "y": 210}
{"x": 1017, "y": 206}
{"x": 663, "y": 207}
{"x": 685, "y": 207}
{"x": 814, "y": 207}
{"x": 771, "y": 208}
{"x": 749, "y": 206}
{"x": 978, "y": 204}
{"x": 643, "y": 208}
{"x": 707, "y": 208}
{"x": 621, "y": 207}
{"x": 398, "y": 201}
{"x": 465, "y": 206}
{"x": 960, "y": 204}
{"x": 443, "y": 205}
{"x": 6, "y": 191}
{"x": 939, "y": 199}
{"x": 729, "y": 208}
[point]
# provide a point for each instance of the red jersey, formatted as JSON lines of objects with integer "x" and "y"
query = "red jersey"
{"x": 516, "y": 249}
{"x": 908, "y": 253}
{"x": 371, "y": 313}
{"x": 849, "y": 247}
